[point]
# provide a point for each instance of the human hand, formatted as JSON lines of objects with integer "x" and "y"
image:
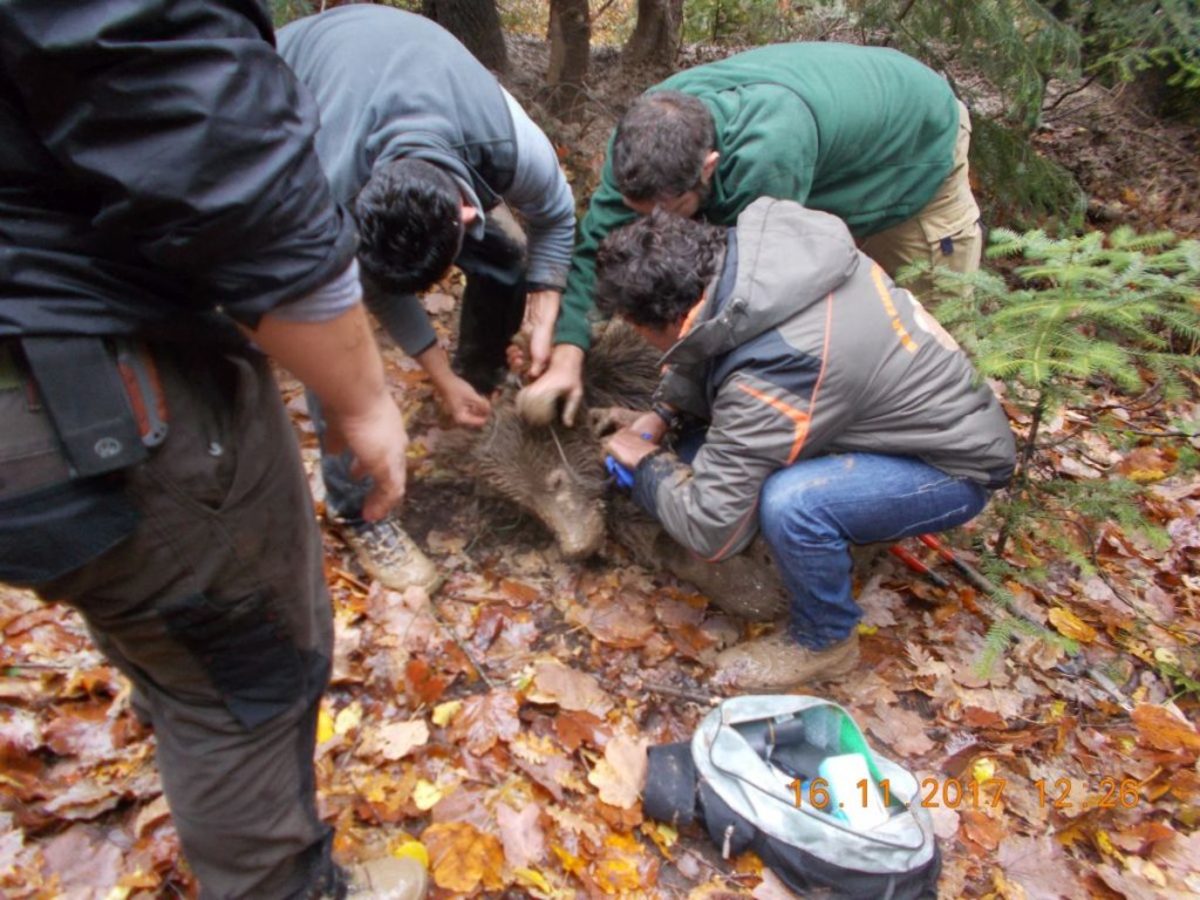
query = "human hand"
{"x": 537, "y": 402}
{"x": 463, "y": 403}
{"x": 629, "y": 448}
{"x": 531, "y": 354}
{"x": 379, "y": 442}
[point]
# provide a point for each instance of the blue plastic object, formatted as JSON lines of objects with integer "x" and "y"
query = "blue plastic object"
{"x": 622, "y": 475}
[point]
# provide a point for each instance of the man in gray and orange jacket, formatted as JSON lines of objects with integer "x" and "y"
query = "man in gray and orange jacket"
{"x": 838, "y": 412}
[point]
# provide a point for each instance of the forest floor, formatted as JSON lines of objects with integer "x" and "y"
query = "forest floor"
{"x": 500, "y": 727}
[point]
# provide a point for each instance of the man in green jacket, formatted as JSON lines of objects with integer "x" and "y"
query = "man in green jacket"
{"x": 866, "y": 133}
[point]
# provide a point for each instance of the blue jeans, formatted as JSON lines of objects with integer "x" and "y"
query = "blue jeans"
{"x": 813, "y": 510}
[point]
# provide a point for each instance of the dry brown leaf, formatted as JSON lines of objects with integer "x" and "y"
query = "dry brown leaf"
{"x": 545, "y": 764}
{"x": 901, "y": 729}
{"x": 1148, "y": 464}
{"x": 555, "y": 683}
{"x": 394, "y": 741}
{"x": 516, "y": 593}
{"x": 522, "y": 835}
{"x": 1038, "y": 865}
{"x": 422, "y": 684}
{"x": 621, "y": 775}
{"x": 1158, "y": 728}
{"x": 576, "y": 728}
{"x": 462, "y": 858}
{"x": 620, "y": 620}
{"x": 438, "y": 303}
{"x": 485, "y": 719}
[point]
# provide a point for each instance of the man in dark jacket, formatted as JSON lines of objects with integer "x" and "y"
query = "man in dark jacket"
{"x": 161, "y": 199}
{"x": 838, "y": 412}
{"x": 866, "y": 133}
{"x": 428, "y": 148}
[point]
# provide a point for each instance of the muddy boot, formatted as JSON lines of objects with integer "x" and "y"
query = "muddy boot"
{"x": 390, "y": 556}
{"x": 777, "y": 664}
{"x": 383, "y": 878}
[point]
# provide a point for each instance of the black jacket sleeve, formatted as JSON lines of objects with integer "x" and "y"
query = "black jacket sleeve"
{"x": 194, "y": 135}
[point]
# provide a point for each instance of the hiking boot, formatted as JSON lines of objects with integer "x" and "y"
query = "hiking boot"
{"x": 390, "y": 556}
{"x": 383, "y": 878}
{"x": 388, "y": 878}
{"x": 777, "y": 664}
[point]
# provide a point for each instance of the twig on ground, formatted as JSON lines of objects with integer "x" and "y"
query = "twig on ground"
{"x": 681, "y": 693}
{"x": 461, "y": 646}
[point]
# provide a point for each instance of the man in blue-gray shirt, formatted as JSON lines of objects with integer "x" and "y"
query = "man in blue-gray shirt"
{"x": 427, "y": 148}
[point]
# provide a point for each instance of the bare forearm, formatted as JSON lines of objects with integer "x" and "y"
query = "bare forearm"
{"x": 337, "y": 358}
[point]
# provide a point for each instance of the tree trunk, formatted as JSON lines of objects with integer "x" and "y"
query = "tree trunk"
{"x": 474, "y": 22}
{"x": 655, "y": 39}
{"x": 570, "y": 51}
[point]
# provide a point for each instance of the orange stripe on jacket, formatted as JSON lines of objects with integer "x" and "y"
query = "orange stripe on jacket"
{"x": 905, "y": 338}
{"x": 800, "y": 419}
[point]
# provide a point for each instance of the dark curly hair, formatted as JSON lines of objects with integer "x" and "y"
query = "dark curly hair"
{"x": 409, "y": 224}
{"x": 652, "y": 271}
{"x": 660, "y": 145}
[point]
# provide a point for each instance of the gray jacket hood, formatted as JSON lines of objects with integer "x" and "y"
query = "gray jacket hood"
{"x": 821, "y": 254}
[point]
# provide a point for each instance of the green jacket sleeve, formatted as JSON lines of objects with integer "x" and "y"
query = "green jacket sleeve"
{"x": 605, "y": 212}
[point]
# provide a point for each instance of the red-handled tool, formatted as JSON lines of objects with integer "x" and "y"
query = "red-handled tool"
{"x": 969, "y": 572}
{"x": 917, "y": 566}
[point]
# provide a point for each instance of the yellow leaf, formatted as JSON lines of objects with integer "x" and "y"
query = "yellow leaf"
{"x": 324, "y": 726}
{"x": 408, "y": 848}
{"x": 570, "y": 863}
{"x": 426, "y": 795}
{"x": 1166, "y": 656}
{"x": 463, "y": 857}
{"x": 618, "y": 876}
{"x": 1070, "y": 625}
{"x": 984, "y": 770}
{"x": 348, "y": 719}
{"x": 663, "y": 835}
{"x": 444, "y": 712}
{"x": 1056, "y": 711}
{"x": 532, "y": 878}
{"x": 1105, "y": 845}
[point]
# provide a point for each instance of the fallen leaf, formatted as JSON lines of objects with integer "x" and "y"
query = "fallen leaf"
{"x": 436, "y": 303}
{"x": 394, "y": 741}
{"x": 621, "y": 775}
{"x": 422, "y": 684}
{"x": 462, "y": 858}
{"x": 576, "y": 728}
{"x": 1148, "y": 464}
{"x": 555, "y": 683}
{"x": 901, "y": 729}
{"x": 348, "y": 718}
{"x": 621, "y": 620}
{"x": 1071, "y": 626}
{"x": 1038, "y": 865}
{"x": 444, "y": 713}
{"x": 485, "y": 719}
{"x": 772, "y": 888}
{"x": 426, "y": 795}
{"x": 1158, "y": 728}
{"x": 522, "y": 835}
{"x": 623, "y": 867}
